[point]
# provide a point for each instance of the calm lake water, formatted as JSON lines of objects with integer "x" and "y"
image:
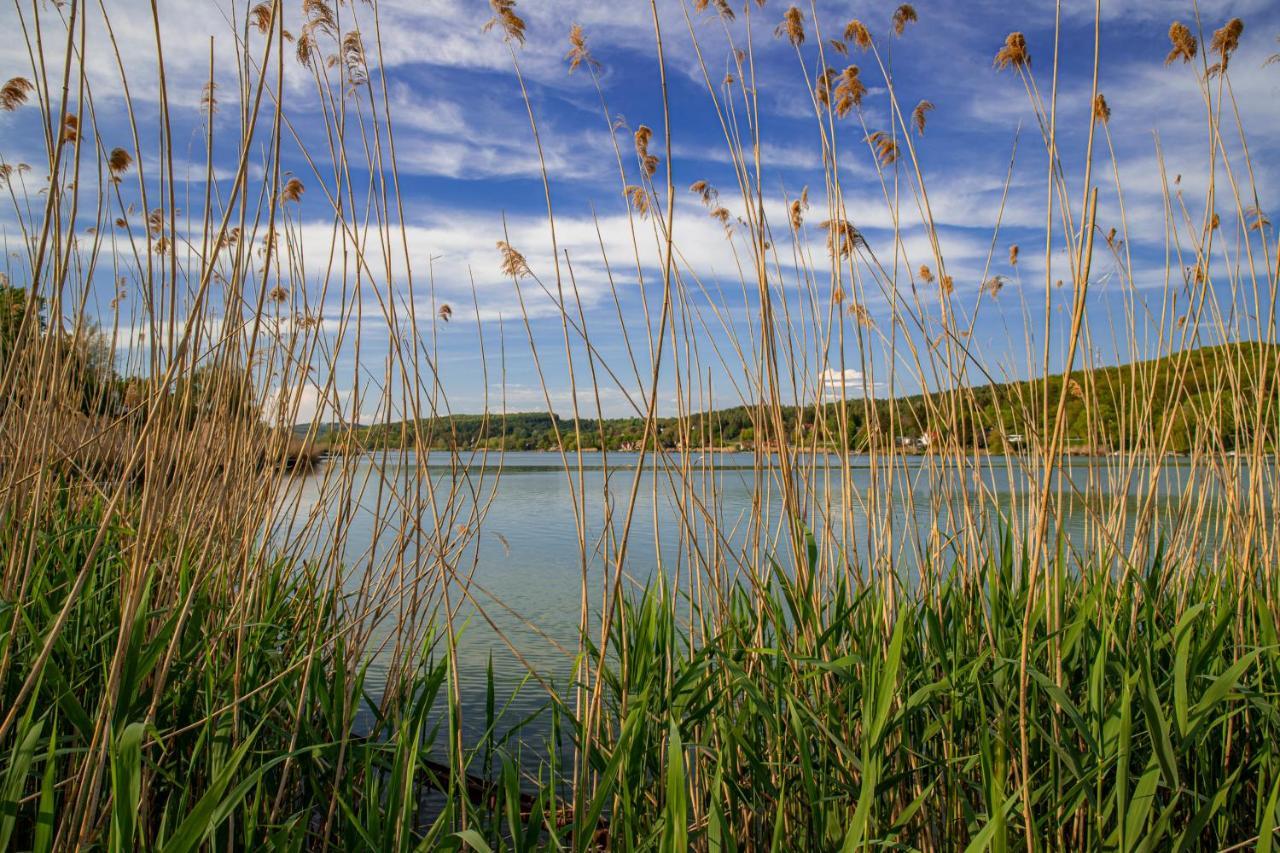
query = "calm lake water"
{"x": 527, "y": 555}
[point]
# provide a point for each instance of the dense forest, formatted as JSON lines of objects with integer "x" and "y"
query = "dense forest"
{"x": 1207, "y": 396}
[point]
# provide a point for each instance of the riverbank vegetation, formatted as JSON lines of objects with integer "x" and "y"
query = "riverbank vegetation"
{"x": 201, "y": 650}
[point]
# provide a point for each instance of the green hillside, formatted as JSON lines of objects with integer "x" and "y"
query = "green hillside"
{"x": 1210, "y": 395}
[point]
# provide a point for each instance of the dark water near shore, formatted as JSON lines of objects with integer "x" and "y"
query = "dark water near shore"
{"x": 526, "y": 567}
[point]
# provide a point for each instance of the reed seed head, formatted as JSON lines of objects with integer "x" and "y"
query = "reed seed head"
{"x": 1101, "y": 109}
{"x": 792, "y": 26}
{"x": 839, "y": 47}
{"x": 1255, "y": 219}
{"x": 70, "y": 129}
{"x": 704, "y": 191}
{"x": 926, "y": 274}
{"x": 861, "y": 315}
{"x": 857, "y": 32}
{"x": 305, "y": 48}
{"x": 842, "y": 237}
{"x": 119, "y": 161}
{"x": 994, "y": 285}
{"x": 885, "y": 147}
{"x": 798, "y": 207}
{"x": 947, "y": 285}
{"x": 1227, "y": 38}
{"x": 1014, "y": 53}
{"x": 446, "y": 312}
{"x": 903, "y": 15}
{"x": 260, "y": 17}
{"x": 638, "y": 198}
{"x": 319, "y": 16}
{"x": 15, "y": 93}
{"x": 849, "y": 91}
{"x": 293, "y": 190}
{"x": 578, "y": 53}
{"x": 1183, "y": 42}
{"x": 918, "y": 116}
{"x": 1013, "y": 255}
{"x": 822, "y": 87}
{"x": 506, "y": 19}
{"x": 513, "y": 263}
{"x": 648, "y": 162}
{"x": 353, "y": 58}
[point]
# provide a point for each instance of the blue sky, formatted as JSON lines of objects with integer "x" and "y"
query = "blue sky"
{"x": 467, "y": 165}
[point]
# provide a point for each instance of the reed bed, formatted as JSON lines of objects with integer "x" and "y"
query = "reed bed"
{"x": 191, "y": 657}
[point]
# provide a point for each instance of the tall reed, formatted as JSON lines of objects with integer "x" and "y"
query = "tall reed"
{"x": 192, "y": 656}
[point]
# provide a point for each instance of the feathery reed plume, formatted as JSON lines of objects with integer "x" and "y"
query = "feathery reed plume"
{"x": 903, "y": 15}
{"x": 994, "y": 284}
{"x": 725, "y": 10}
{"x": 638, "y": 199}
{"x": 209, "y": 99}
{"x": 1013, "y": 255}
{"x": 1213, "y": 223}
{"x": 319, "y": 17}
{"x": 260, "y": 17}
{"x": 15, "y": 93}
{"x": 857, "y": 32}
{"x": 70, "y": 129}
{"x": 926, "y": 274}
{"x": 513, "y": 263}
{"x": 860, "y": 314}
{"x": 1184, "y": 43}
{"x": 306, "y": 46}
{"x": 798, "y": 207}
{"x": 886, "y": 147}
{"x": 1226, "y": 39}
{"x": 1256, "y": 220}
{"x": 353, "y": 58}
{"x": 1111, "y": 235}
{"x": 707, "y": 193}
{"x": 278, "y": 294}
{"x": 1014, "y": 53}
{"x": 792, "y": 26}
{"x": 648, "y": 162}
{"x": 822, "y": 87}
{"x": 293, "y": 190}
{"x": 842, "y": 237}
{"x": 578, "y": 53}
{"x": 506, "y": 19}
{"x": 119, "y": 161}
{"x": 839, "y": 47}
{"x": 849, "y": 92}
{"x": 918, "y": 115}
{"x": 947, "y": 285}
{"x": 722, "y": 215}
{"x": 446, "y": 312}
{"x": 837, "y": 295}
{"x": 1101, "y": 109}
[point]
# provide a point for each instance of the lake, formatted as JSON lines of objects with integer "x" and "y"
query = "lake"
{"x": 525, "y": 566}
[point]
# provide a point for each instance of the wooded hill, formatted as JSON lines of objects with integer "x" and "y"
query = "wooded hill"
{"x": 1213, "y": 397}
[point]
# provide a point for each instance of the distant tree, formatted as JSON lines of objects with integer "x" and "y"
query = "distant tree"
{"x": 14, "y": 305}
